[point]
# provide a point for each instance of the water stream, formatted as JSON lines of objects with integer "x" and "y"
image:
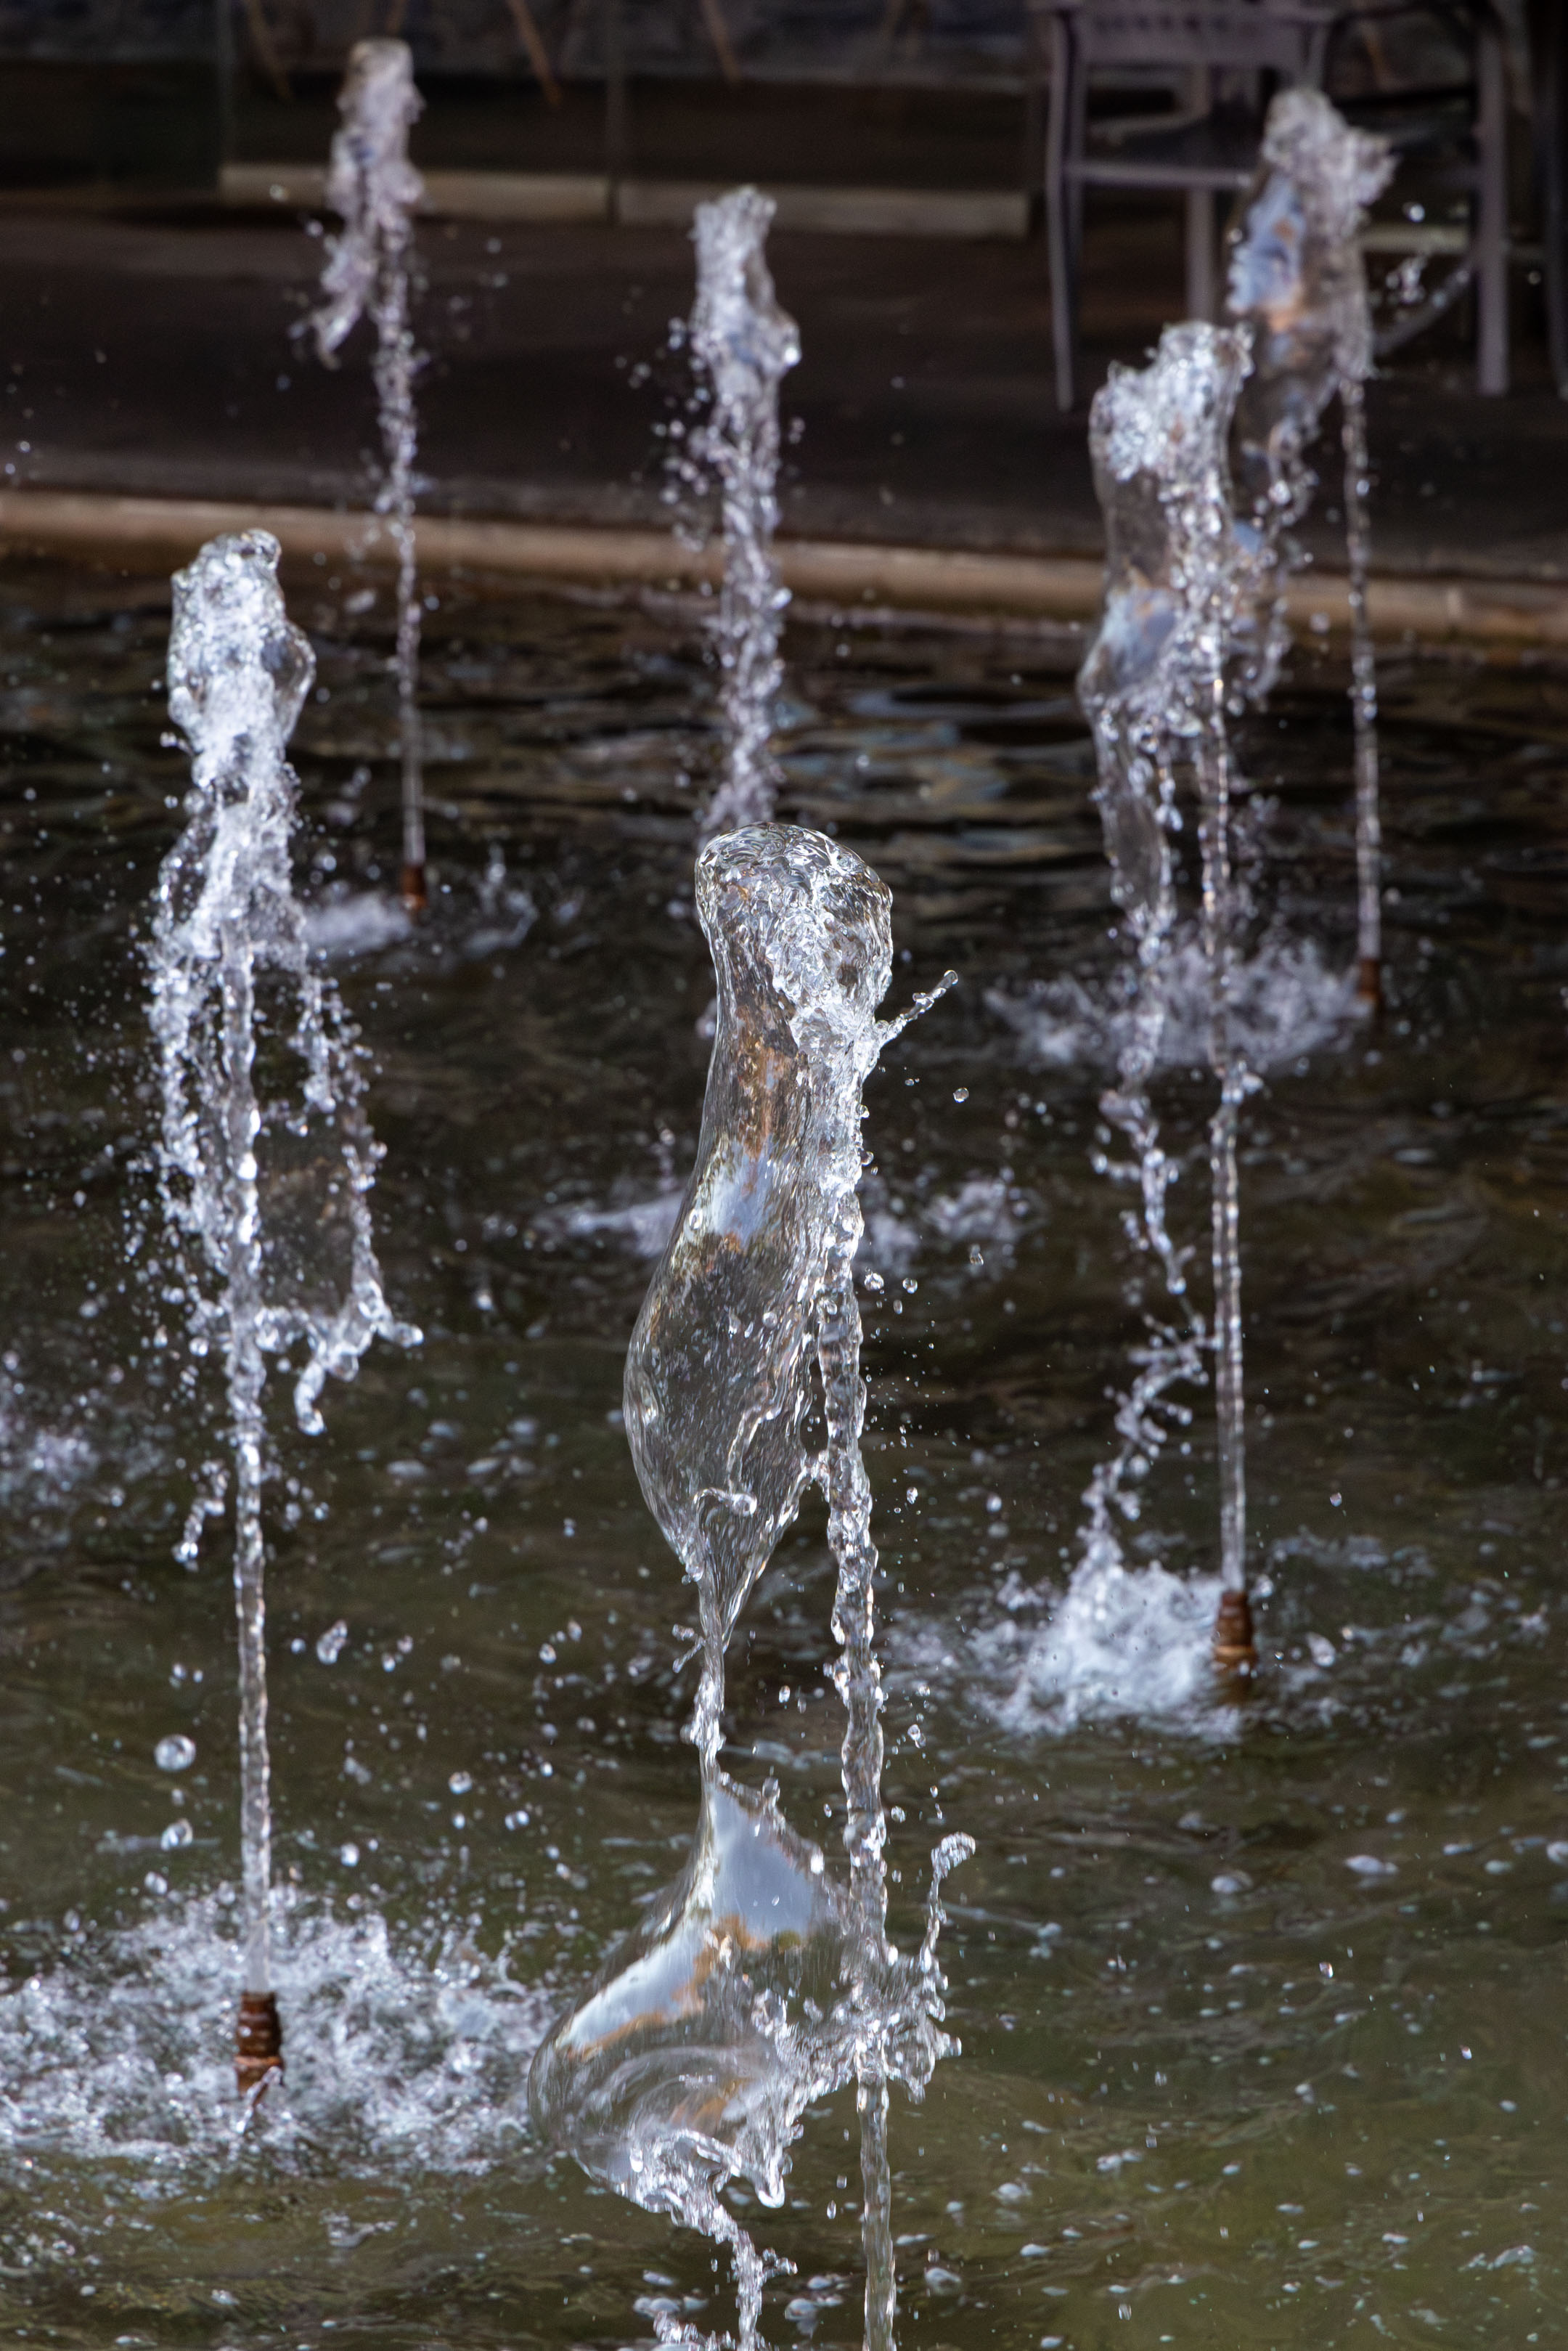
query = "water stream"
{"x": 1152, "y": 685}
{"x": 265, "y": 1159}
{"x": 1297, "y": 279}
{"x": 375, "y": 191}
{"x": 743, "y": 345}
{"x": 758, "y": 1986}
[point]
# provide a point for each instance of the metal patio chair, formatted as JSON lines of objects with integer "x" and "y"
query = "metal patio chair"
{"x": 1456, "y": 134}
{"x": 1549, "y": 89}
{"x": 1208, "y": 149}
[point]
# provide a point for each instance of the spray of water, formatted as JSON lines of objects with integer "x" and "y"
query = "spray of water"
{"x": 265, "y": 1160}
{"x": 743, "y": 345}
{"x": 1297, "y": 279}
{"x": 1152, "y": 685}
{"x": 374, "y": 189}
{"x": 759, "y": 1983}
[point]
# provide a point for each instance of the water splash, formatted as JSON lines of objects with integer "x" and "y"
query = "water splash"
{"x": 375, "y": 190}
{"x": 1286, "y": 1003}
{"x": 743, "y": 345}
{"x": 1297, "y": 279}
{"x": 757, "y": 1983}
{"x": 1152, "y": 685}
{"x": 264, "y": 1184}
{"x": 406, "y": 2052}
{"x": 1123, "y": 1641}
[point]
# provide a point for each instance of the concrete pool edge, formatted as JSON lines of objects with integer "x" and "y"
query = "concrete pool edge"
{"x": 851, "y": 579}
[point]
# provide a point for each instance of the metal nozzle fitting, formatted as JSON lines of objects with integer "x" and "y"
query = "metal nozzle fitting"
{"x": 1235, "y": 1650}
{"x": 258, "y": 2040}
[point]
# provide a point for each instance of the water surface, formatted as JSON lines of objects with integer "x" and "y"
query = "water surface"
{"x": 1262, "y": 2007}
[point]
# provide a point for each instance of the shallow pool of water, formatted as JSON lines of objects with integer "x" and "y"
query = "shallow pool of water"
{"x": 1261, "y": 2005}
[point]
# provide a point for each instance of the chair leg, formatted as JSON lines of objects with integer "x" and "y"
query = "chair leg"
{"x": 1200, "y": 268}
{"x": 1063, "y": 293}
{"x": 1060, "y": 241}
{"x": 1556, "y": 272}
{"x": 1492, "y": 214}
{"x": 1036, "y": 69}
{"x": 1548, "y": 63}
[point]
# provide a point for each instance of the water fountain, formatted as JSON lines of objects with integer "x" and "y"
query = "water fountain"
{"x": 756, "y": 1984}
{"x": 263, "y": 1183}
{"x": 1152, "y": 685}
{"x": 743, "y": 345}
{"x": 375, "y": 190}
{"x": 1404, "y": 1255}
{"x": 1297, "y": 279}
{"x": 1200, "y": 468}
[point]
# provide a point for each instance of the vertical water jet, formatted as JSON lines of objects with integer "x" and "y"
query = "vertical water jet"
{"x": 1153, "y": 687}
{"x": 1234, "y": 1649}
{"x": 757, "y": 1983}
{"x": 1297, "y": 278}
{"x": 264, "y": 1184}
{"x": 1363, "y": 700}
{"x": 375, "y": 190}
{"x": 743, "y": 345}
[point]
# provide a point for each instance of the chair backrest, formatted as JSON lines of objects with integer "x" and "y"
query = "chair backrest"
{"x": 1282, "y": 35}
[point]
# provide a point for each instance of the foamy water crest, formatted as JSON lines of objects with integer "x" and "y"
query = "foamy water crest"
{"x": 122, "y": 2051}
{"x": 1284, "y": 1003}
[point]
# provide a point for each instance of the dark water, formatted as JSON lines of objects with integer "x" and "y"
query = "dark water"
{"x": 1262, "y": 2010}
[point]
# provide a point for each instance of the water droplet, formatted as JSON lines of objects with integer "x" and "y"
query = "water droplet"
{"x": 176, "y": 1835}
{"x": 331, "y": 1644}
{"x": 175, "y": 1753}
{"x": 460, "y": 1782}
